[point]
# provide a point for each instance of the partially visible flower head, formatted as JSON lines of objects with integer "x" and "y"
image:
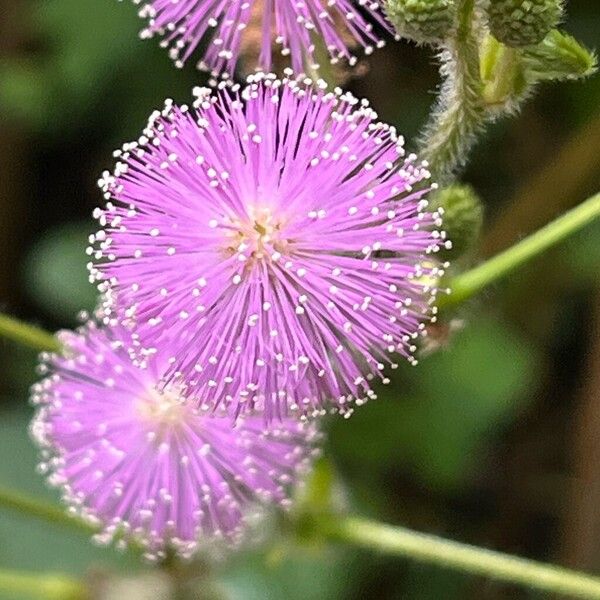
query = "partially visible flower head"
{"x": 144, "y": 464}
{"x": 275, "y": 233}
{"x": 294, "y": 26}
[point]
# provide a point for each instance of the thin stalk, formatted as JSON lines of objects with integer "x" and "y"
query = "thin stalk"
{"x": 46, "y": 586}
{"x": 30, "y": 507}
{"x": 471, "y": 282}
{"x": 437, "y": 551}
{"x": 27, "y": 335}
{"x": 23, "y": 504}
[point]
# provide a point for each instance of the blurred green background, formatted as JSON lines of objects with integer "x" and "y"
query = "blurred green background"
{"x": 494, "y": 439}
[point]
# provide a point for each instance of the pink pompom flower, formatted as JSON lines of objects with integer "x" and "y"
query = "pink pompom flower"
{"x": 228, "y": 27}
{"x": 280, "y": 236}
{"x": 143, "y": 464}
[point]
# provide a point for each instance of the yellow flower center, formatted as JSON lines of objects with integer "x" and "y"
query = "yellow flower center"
{"x": 162, "y": 408}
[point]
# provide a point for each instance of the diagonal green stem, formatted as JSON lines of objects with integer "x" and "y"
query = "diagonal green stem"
{"x": 353, "y": 530}
{"x": 23, "y": 504}
{"x": 46, "y": 586}
{"x": 463, "y": 286}
{"x": 437, "y": 551}
{"x": 27, "y": 335}
{"x": 30, "y": 507}
{"x": 471, "y": 282}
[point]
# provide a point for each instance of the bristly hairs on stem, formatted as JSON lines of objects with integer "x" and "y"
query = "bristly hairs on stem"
{"x": 460, "y": 114}
{"x": 484, "y": 79}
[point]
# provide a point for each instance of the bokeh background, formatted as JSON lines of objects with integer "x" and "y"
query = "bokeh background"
{"x": 494, "y": 439}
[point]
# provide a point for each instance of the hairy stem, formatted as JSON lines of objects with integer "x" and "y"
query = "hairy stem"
{"x": 467, "y": 284}
{"x": 27, "y": 335}
{"x": 47, "y": 586}
{"x": 437, "y": 551}
{"x": 460, "y": 114}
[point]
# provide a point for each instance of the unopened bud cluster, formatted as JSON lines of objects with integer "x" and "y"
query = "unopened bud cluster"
{"x": 423, "y": 21}
{"x": 523, "y": 22}
{"x": 515, "y": 23}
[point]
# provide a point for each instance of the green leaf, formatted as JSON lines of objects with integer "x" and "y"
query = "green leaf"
{"x": 436, "y": 421}
{"x": 474, "y": 387}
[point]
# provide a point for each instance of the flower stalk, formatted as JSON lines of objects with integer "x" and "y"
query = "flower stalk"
{"x": 45, "y": 511}
{"x": 46, "y": 586}
{"x": 357, "y": 531}
{"x": 431, "y": 549}
{"x": 27, "y": 335}
{"x": 463, "y": 286}
{"x": 471, "y": 282}
{"x": 485, "y": 79}
{"x": 23, "y": 504}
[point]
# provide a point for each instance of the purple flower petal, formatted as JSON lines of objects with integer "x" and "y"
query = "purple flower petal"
{"x": 279, "y": 236}
{"x": 143, "y": 463}
{"x": 227, "y": 25}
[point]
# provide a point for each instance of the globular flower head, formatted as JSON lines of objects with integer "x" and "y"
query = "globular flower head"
{"x": 145, "y": 465}
{"x": 275, "y": 233}
{"x": 297, "y": 27}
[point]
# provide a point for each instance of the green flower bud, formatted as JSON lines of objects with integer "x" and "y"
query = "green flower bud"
{"x": 423, "y": 21}
{"x": 523, "y": 22}
{"x": 558, "y": 57}
{"x": 462, "y": 218}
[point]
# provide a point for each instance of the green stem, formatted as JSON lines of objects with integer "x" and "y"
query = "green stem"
{"x": 437, "y": 551}
{"x": 460, "y": 114}
{"x": 47, "y": 586}
{"x": 30, "y": 507}
{"x": 467, "y": 284}
{"x": 27, "y": 335}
